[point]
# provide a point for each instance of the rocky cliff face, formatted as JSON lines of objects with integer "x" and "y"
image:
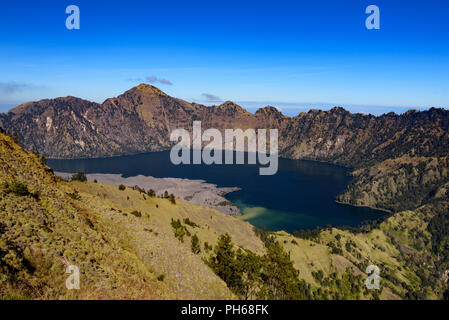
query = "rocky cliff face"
{"x": 357, "y": 140}
{"x": 137, "y": 121}
{"x": 142, "y": 118}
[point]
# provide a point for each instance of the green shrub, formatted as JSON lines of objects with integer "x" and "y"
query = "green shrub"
{"x": 161, "y": 277}
{"x": 80, "y": 176}
{"x": 335, "y": 249}
{"x": 43, "y": 160}
{"x": 136, "y": 213}
{"x": 195, "y": 244}
{"x": 121, "y": 187}
{"x": 4, "y": 185}
{"x": 18, "y": 188}
{"x": 189, "y": 222}
{"x": 207, "y": 247}
{"x": 179, "y": 230}
{"x": 74, "y": 195}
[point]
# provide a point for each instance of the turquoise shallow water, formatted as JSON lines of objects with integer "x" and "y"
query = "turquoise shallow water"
{"x": 300, "y": 196}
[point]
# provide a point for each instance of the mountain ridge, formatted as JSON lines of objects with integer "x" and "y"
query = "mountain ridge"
{"x": 141, "y": 119}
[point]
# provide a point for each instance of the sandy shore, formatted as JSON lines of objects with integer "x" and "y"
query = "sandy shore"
{"x": 194, "y": 191}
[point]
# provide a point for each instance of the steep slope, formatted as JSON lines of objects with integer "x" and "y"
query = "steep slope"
{"x": 43, "y": 231}
{"x": 57, "y": 124}
{"x": 402, "y": 246}
{"x": 47, "y": 224}
{"x": 398, "y": 184}
{"x": 357, "y": 140}
{"x": 71, "y": 127}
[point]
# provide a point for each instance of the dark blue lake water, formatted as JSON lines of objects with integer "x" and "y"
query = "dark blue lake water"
{"x": 300, "y": 196}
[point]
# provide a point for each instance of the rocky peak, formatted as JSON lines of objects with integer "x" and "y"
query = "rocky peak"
{"x": 142, "y": 97}
{"x": 57, "y": 104}
{"x": 270, "y": 112}
{"x": 411, "y": 112}
{"x": 147, "y": 90}
{"x": 338, "y": 110}
{"x": 231, "y": 107}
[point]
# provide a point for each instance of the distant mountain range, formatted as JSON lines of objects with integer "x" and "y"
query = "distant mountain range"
{"x": 141, "y": 119}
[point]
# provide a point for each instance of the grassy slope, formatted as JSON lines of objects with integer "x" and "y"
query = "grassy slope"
{"x": 397, "y": 184}
{"x": 42, "y": 234}
{"x": 400, "y": 247}
{"x": 121, "y": 255}
{"x": 151, "y": 236}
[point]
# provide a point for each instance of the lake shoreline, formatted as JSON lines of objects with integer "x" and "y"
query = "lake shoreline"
{"x": 194, "y": 191}
{"x": 361, "y": 206}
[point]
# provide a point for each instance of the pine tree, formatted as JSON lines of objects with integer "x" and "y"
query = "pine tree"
{"x": 195, "y": 245}
{"x": 249, "y": 265}
{"x": 223, "y": 262}
{"x": 279, "y": 275}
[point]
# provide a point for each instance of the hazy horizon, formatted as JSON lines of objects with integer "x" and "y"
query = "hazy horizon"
{"x": 290, "y": 109}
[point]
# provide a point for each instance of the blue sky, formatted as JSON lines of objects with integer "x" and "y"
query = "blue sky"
{"x": 294, "y": 55}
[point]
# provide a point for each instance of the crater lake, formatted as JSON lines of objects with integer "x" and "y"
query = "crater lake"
{"x": 300, "y": 196}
